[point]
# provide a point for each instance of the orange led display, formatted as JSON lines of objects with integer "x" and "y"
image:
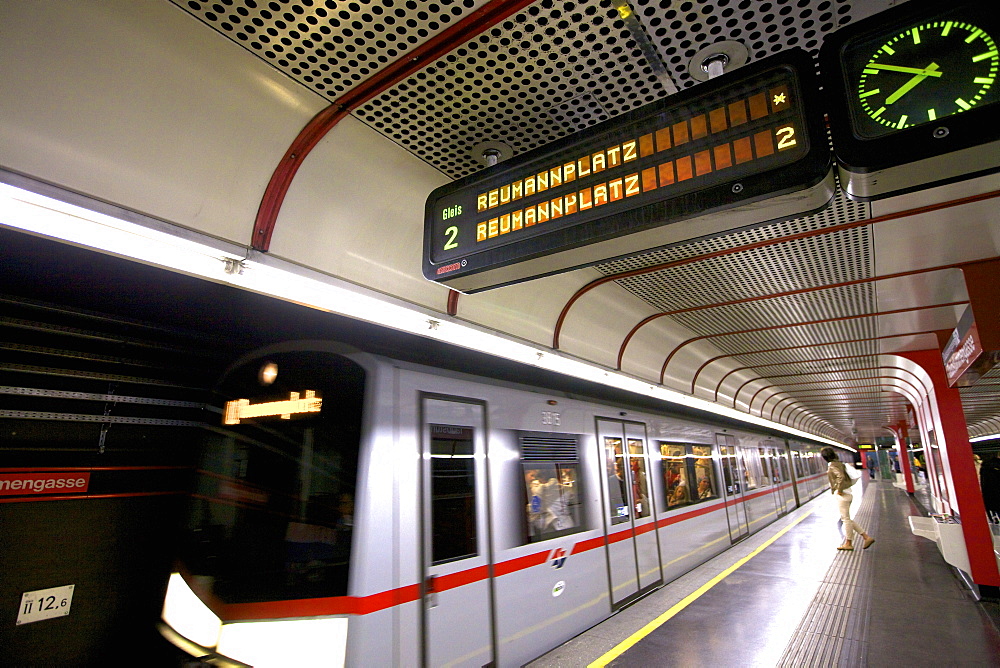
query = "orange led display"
{"x": 702, "y": 163}
{"x": 758, "y": 106}
{"x": 738, "y": 113}
{"x": 699, "y": 126}
{"x": 663, "y": 139}
{"x": 680, "y": 133}
{"x": 669, "y": 151}
{"x": 743, "y": 150}
{"x": 763, "y": 144}
{"x": 723, "y": 156}
{"x": 646, "y": 146}
{"x": 685, "y": 170}
{"x": 717, "y": 119}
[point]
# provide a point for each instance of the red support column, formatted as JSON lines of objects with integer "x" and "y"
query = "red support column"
{"x": 959, "y": 467}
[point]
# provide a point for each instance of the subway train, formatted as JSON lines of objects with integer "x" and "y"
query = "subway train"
{"x": 352, "y": 509}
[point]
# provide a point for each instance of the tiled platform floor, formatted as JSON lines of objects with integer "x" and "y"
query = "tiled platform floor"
{"x": 800, "y": 602}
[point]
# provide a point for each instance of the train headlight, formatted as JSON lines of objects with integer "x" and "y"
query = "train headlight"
{"x": 187, "y": 615}
{"x": 279, "y": 644}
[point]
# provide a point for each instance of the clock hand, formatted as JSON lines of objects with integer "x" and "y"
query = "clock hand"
{"x": 909, "y": 85}
{"x": 928, "y": 72}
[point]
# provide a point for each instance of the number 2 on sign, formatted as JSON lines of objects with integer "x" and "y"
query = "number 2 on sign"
{"x": 452, "y": 234}
{"x": 786, "y": 137}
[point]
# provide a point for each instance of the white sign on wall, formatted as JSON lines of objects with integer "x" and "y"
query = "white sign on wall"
{"x": 45, "y": 604}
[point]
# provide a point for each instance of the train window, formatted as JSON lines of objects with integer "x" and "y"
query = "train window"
{"x": 272, "y": 516}
{"x": 675, "y": 474}
{"x": 783, "y": 466}
{"x": 638, "y": 478}
{"x": 766, "y": 477}
{"x": 683, "y": 464}
{"x": 551, "y": 467}
{"x": 453, "y": 493}
{"x": 797, "y": 463}
{"x": 614, "y": 452}
{"x": 704, "y": 472}
{"x": 750, "y": 473}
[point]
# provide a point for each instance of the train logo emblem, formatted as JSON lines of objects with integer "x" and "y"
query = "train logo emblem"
{"x": 558, "y": 557}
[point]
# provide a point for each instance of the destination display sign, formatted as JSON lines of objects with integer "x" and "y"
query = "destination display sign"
{"x": 749, "y": 140}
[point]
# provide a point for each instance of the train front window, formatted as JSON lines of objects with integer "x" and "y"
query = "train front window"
{"x": 272, "y": 516}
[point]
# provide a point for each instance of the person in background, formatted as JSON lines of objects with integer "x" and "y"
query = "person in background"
{"x": 840, "y": 484}
{"x": 989, "y": 482}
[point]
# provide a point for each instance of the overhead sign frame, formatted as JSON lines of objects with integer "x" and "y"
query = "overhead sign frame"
{"x": 743, "y": 149}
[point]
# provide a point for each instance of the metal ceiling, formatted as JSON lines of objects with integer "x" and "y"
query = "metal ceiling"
{"x": 800, "y": 318}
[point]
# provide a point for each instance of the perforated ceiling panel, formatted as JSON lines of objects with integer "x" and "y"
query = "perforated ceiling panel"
{"x": 549, "y": 71}
{"x": 765, "y": 308}
{"x": 329, "y": 46}
{"x": 789, "y": 313}
{"x": 802, "y": 263}
{"x": 680, "y": 29}
{"x": 841, "y": 210}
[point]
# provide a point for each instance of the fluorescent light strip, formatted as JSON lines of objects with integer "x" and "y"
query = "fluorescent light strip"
{"x": 983, "y": 438}
{"x": 165, "y": 246}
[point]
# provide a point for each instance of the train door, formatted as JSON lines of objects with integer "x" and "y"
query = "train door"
{"x": 633, "y": 551}
{"x": 780, "y": 493}
{"x": 788, "y": 469}
{"x": 734, "y": 486}
{"x": 457, "y": 592}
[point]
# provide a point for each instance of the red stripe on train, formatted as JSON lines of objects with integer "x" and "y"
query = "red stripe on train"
{"x": 364, "y": 605}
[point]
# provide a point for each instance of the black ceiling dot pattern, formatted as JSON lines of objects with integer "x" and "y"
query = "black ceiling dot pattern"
{"x": 330, "y": 46}
{"x": 546, "y": 72}
{"x": 552, "y": 69}
{"x": 681, "y": 29}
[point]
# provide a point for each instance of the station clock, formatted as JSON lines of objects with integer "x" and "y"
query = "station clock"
{"x": 913, "y": 84}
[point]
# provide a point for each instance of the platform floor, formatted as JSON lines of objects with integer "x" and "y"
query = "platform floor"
{"x": 786, "y": 597}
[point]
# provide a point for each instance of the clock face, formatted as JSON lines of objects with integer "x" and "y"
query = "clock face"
{"x": 922, "y": 74}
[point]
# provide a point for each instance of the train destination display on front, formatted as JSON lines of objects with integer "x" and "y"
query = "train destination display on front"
{"x": 748, "y": 150}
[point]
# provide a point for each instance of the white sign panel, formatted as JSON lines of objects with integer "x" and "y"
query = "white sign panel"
{"x": 45, "y": 604}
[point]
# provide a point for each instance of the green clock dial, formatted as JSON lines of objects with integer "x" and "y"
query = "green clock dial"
{"x": 925, "y": 73}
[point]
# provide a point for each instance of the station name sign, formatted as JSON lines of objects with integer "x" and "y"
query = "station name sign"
{"x": 17, "y": 484}
{"x": 965, "y": 360}
{"x": 740, "y": 150}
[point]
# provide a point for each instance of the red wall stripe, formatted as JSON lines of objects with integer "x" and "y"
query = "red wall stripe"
{"x": 85, "y": 497}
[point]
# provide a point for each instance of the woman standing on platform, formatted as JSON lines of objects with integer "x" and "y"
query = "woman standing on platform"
{"x": 840, "y": 484}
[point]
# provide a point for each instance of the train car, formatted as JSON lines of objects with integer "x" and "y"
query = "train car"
{"x": 351, "y": 509}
